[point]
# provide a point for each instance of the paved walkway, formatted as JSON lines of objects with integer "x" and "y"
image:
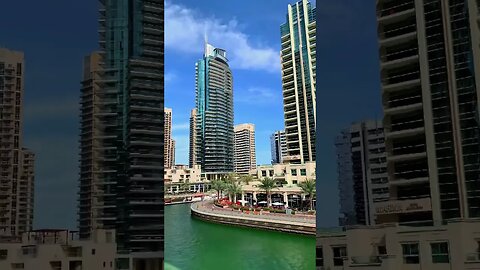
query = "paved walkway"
{"x": 209, "y": 207}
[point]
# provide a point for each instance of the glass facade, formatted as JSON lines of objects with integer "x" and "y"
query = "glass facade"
{"x": 214, "y": 147}
{"x": 298, "y": 38}
{"x": 128, "y": 142}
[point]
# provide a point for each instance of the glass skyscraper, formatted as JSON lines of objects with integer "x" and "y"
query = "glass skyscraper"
{"x": 214, "y": 147}
{"x": 122, "y": 187}
{"x": 298, "y": 58}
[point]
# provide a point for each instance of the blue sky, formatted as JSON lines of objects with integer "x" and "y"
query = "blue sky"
{"x": 56, "y": 34}
{"x": 348, "y": 86}
{"x": 251, "y": 37}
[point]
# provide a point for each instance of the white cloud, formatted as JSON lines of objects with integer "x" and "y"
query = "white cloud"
{"x": 185, "y": 30}
{"x": 259, "y": 96}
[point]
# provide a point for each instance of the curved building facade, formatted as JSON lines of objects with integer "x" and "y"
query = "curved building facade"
{"x": 214, "y": 148}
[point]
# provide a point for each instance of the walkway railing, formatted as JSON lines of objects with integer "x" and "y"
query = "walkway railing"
{"x": 209, "y": 207}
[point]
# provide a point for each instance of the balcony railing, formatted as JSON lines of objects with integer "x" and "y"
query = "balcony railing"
{"x": 394, "y": 9}
{"x": 366, "y": 260}
{"x": 473, "y": 257}
{"x": 402, "y": 30}
{"x": 409, "y": 76}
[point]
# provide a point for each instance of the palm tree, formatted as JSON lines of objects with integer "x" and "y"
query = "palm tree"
{"x": 230, "y": 178}
{"x": 218, "y": 185}
{"x": 246, "y": 179}
{"x": 233, "y": 189}
{"x": 308, "y": 187}
{"x": 267, "y": 184}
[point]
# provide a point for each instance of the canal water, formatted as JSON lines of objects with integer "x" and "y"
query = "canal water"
{"x": 192, "y": 244}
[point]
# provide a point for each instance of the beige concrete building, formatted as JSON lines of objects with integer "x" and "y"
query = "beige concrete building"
{"x": 244, "y": 149}
{"x": 169, "y": 142}
{"x": 93, "y": 121}
{"x": 291, "y": 173}
{"x": 184, "y": 177}
{"x": 454, "y": 246}
{"x": 362, "y": 172}
{"x": 16, "y": 162}
{"x": 193, "y": 127}
{"x": 287, "y": 176}
{"x": 298, "y": 58}
{"x": 62, "y": 250}
{"x": 430, "y": 85}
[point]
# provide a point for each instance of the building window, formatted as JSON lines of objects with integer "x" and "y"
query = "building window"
{"x": 382, "y": 250}
{"x": 339, "y": 255}
{"x": 93, "y": 251}
{"x": 303, "y": 172}
{"x": 440, "y": 252}
{"x": 272, "y": 173}
{"x": 295, "y": 182}
{"x": 410, "y": 253}
{"x": 294, "y": 172}
{"x": 264, "y": 173}
{"x": 319, "y": 256}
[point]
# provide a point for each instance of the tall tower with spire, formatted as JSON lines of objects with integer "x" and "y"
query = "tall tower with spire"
{"x": 214, "y": 132}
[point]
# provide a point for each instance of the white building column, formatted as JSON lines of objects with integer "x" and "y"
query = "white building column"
{"x": 285, "y": 198}
{"x": 255, "y": 195}
{"x": 243, "y": 199}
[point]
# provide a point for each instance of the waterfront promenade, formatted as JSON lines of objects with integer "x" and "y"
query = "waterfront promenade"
{"x": 298, "y": 223}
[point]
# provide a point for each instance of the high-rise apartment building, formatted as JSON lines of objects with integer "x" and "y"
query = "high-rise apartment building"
{"x": 192, "y": 144}
{"x": 298, "y": 57}
{"x": 245, "y": 157}
{"x": 278, "y": 144}
{"x": 214, "y": 112}
{"x": 127, "y": 165}
{"x": 430, "y": 55}
{"x": 362, "y": 172}
{"x": 169, "y": 147}
{"x": 16, "y": 162}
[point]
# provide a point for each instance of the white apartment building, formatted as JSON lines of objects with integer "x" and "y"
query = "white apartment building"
{"x": 244, "y": 159}
{"x": 454, "y": 246}
{"x": 183, "y": 177}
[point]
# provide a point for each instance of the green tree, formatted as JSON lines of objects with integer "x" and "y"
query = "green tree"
{"x": 308, "y": 187}
{"x": 217, "y": 185}
{"x": 246, "y": 179}
{"x": 233, "y": 189}
{"x": 267, "y": 184}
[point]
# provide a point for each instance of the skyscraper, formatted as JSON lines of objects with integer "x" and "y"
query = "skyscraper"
{"x": 362, "y": 172}
{"x": 169, "y": 147}
{"x": 430, "y": 81}
{"x": 193, "y": 127}
{"x": 298, "y": 57}
{"x": 278, "y": 144}
{"x": 214, "y": 112}
{"x": 16, "y": 162}
{"x": 245, "y": 157}
{"x": 128, "y": 160}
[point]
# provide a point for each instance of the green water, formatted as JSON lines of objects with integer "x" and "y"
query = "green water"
{"x": 192, "y": 244}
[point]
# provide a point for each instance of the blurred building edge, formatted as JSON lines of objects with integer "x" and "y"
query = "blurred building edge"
{"x": 62, "y": 249}
{"x": 455, "y": 245}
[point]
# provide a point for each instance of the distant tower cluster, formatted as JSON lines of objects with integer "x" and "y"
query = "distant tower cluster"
{"x": 278, "y": 143}
{"x": 193, "y": 138}
{"x": 16, "y": 162}
{"x": 169, "y": 146}
{"x": 245, "y": 157}
{"x": 362, "y": 172}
